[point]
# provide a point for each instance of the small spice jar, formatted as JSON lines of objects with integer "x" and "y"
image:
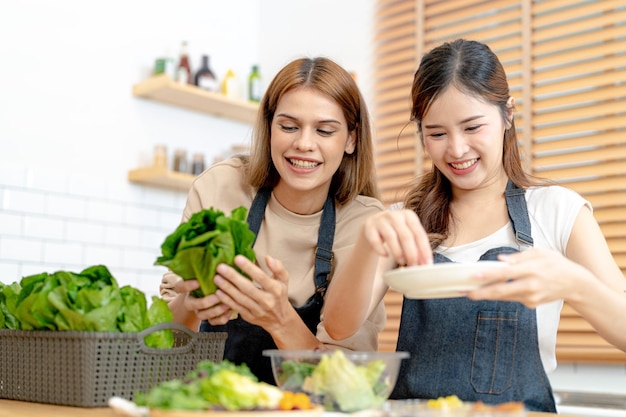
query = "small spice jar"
{"x": 197, "y": 164}
{"x": 180, "y": 160}
{"x": 160, "y": 156}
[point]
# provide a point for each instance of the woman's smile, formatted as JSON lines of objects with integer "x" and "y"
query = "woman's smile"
{"x": 302, "y": 163}
{"x": 465, "y": 166}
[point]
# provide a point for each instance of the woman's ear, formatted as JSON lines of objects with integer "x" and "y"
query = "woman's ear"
{"x": 510, "y": 109}
{"x": 351, "y": 143}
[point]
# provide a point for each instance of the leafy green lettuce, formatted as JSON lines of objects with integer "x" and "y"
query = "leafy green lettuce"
{"x": 207, "y": 239}
{"x": 87, "y": 301}
{"x": 213, "y": 386}
{"x": 338, "y": 382}
{"x": 8, "y": 301}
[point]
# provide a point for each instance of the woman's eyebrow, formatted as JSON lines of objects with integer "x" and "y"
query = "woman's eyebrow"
{"x": 469, "y": 119}
{"x": 318, "y": 121}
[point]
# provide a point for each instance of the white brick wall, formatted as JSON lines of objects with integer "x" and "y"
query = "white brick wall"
{"x": 55, "y": 221}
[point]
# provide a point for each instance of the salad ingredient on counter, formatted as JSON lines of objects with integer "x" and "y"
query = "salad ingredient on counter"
{"x": 207, "y": 239}
{"x": 338, "y": 382}
{"x": 220, "y": 386}
{"x": 90, "y": 300}
{"x": 445, "y": 403}
{"x": 452, "y": 406}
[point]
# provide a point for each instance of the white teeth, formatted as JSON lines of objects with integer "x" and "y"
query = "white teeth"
{"x": 464, "y": 165}
{"x": 298, "y": 163}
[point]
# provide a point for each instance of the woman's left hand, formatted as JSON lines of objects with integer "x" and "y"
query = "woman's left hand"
{"x": 263, "y": 300}
{"x": 532, "y": 277}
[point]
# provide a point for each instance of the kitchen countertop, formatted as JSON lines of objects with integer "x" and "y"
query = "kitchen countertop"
{"x": 10, "y": 408}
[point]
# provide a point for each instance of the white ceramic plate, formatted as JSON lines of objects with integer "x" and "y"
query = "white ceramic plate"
{"x": 443, "y": 280}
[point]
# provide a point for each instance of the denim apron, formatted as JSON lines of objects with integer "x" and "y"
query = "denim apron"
{"x": 246, "y": 342}
{"x": 478, "y": 350}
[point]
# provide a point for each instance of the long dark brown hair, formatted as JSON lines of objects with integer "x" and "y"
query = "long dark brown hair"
{"x": 356, "y": 174}
{"x": 472, "y": 68}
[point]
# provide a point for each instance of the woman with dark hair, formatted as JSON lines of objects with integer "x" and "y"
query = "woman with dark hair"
{"x": 308, "y": 184}
{"x": 496, "y": 343}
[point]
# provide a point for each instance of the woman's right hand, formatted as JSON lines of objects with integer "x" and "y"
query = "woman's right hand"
{"x": 208, "y": 308}
{"x": 399, "y": 234}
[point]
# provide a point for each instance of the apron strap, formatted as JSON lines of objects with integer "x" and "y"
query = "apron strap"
{"x": 324, "y": 250}
{"x": 516, "y": 201}
{"x": 325, "y": 236}
{"x": 257, "y": 210}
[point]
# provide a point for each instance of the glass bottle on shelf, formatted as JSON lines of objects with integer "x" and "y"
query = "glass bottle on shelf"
{"x": 254, "y": 85}
{"x": 183, "y": 70}
{"x": 197, "y": 164}
{"x": 160, "y": 156}
{"x": 205, "y": 78}
{"x": 170, "y": 65}
{"x": 230, "y": 87}
{"x": 180, "y": 160}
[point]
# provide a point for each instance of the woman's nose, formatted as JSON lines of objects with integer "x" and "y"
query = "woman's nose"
{"x": 457, "y": 146}
{"x": 305, "y": 140}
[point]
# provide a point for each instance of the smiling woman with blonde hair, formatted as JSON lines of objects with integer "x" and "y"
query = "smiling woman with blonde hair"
{"x": 308, "y": 185}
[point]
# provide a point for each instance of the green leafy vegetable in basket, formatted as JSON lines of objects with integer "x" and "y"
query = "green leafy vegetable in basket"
{"x": 207, "y": 239}
{"x": 8, "y": 300}
{"x": 87, "y": 301}
{"x": 213, "y": 386}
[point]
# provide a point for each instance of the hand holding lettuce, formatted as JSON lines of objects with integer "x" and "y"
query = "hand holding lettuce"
{"x": 207, "y": 239}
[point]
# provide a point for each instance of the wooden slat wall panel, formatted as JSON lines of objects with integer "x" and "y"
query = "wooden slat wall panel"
{"x": 395, "y": 48}
{"x": 579, "y": 113}
{"x": 578, "y": 341}
{"x": 567, "y": 69}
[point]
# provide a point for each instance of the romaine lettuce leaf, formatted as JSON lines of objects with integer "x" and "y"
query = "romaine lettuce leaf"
{"x": 207, "y": 239}
{"x": 87, "y": 301}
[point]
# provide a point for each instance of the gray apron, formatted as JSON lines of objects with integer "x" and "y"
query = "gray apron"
{"x": 478, "y": 350}
{"x": 246, "y": 342}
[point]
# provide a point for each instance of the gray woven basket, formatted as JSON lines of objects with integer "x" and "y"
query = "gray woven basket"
{"x": 85, "y": 369}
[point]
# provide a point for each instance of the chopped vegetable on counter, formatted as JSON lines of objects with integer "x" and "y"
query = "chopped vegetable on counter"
{"x": 207, "y": 239}
{"x": 341, "y": 384}
{"x": 220, "y": 386}
{"x": 445, "y": 403}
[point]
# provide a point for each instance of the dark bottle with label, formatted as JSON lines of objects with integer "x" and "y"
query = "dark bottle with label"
{"x": 183, "y": 70}
{"x": 205, "y": 78}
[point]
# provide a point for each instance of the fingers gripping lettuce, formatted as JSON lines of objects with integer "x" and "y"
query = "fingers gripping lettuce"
{"x": 207, "y": 239}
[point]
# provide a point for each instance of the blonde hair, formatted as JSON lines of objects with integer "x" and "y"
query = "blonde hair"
{"x": 356, "y": 173}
